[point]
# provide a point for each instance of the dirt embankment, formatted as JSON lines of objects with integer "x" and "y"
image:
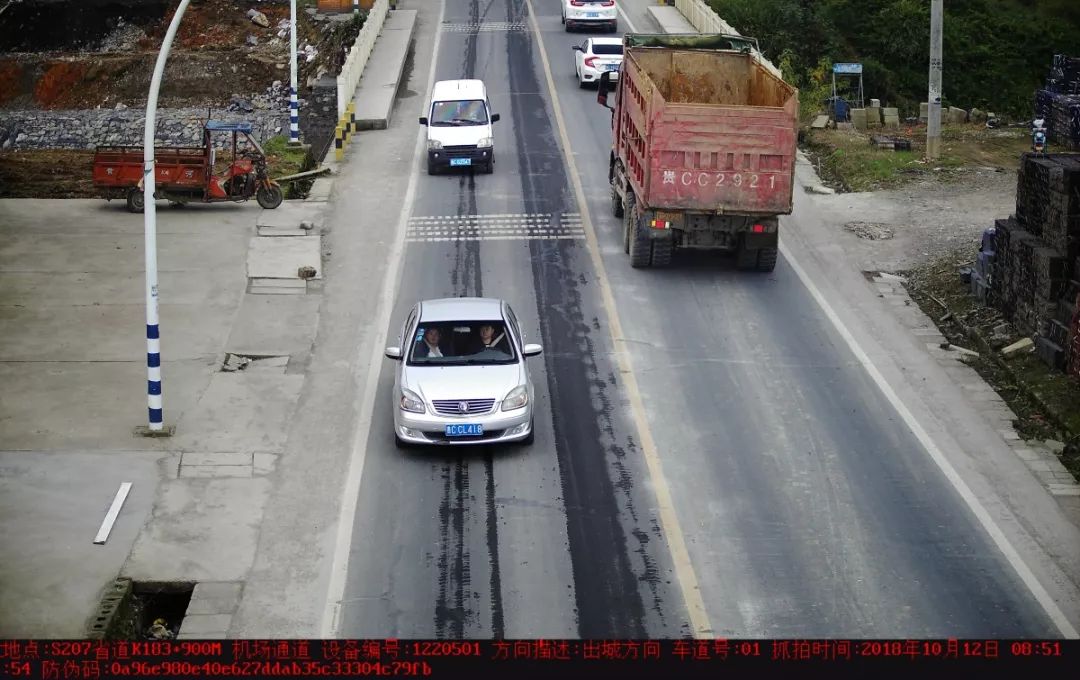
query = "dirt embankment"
{"x": 107, "y": 53}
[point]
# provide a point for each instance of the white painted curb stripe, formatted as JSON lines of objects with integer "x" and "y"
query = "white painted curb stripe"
{"x": 114, "y": 512}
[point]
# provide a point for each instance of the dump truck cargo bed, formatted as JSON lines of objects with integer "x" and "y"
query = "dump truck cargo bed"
{"x": 706, "y": 130}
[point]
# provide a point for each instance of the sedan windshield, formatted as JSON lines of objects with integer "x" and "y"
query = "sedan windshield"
{"x": 449, "y": 114}
{"x": 465, "y": 343}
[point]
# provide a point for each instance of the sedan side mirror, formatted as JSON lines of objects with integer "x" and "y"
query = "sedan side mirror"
{"x": 532, "y": 349}
{"x": 393, "y": 353}
{"x": 495, "y": 118}
{"x": 423, "y": 120}
{"x": 577, "y": 48}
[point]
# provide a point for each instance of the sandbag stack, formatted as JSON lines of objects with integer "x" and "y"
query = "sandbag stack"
{"x": 1036, "y": 256}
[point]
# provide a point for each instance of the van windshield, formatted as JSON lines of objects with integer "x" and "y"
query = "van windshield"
{"x": 450, "y": 114}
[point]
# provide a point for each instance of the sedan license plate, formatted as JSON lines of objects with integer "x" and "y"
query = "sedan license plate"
{"x": 592, "y": 15}
{"x": 460, "y": 161}
{"x": 464, "y": 430}
{"x": 612, "y": 67}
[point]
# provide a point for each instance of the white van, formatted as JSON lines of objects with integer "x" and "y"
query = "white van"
{"x": 459, "y": 126}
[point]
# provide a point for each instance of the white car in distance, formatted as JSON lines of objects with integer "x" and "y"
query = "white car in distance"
{"x": 590, "y": 14}
{"x": 596, "y": 56}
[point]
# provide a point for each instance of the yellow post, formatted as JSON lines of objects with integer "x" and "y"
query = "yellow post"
{"x": 339, "y": 143}
{"x": 350, "y": 116}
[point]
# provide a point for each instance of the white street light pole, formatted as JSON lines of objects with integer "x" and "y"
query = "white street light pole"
{"x": 294, "y": 102}
{"x": 933, "y": 104}
{"x": 153, "y": 336}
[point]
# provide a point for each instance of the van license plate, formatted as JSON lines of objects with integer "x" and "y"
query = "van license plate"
{"x": 463, "y": 430}
{"x": 460, "y": 161}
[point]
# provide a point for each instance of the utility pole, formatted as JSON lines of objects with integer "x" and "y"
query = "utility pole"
{"x": 153, "y": 334}
{"x": 294, "y": 103}
{"x": 933, "y": 102}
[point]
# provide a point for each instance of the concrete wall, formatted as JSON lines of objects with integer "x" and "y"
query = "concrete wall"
{"x": 318, "y": 116}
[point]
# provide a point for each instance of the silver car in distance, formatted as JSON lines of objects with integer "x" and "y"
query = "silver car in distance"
{"x": 461, "y": 376}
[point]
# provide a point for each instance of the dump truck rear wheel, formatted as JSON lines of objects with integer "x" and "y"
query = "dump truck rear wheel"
{"x": 746, "y": 258}
{"x": 136, "y": 201}
{"x": 628, "y": 221}
{"x": 640, "y": 247}
{"x": 662, "y": 250}
{"x": 616, "y": 203}
{"x": 766, "y": 259}
{"x": 269, "y": 197}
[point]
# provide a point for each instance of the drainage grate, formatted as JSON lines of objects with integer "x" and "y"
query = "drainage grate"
{"x": 486, "y": 27}
{"x": 141, "y": 610}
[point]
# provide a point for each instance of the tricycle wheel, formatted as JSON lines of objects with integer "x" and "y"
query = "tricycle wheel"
{"x": 269, "y": 197}
{"x": 136, "y": 202}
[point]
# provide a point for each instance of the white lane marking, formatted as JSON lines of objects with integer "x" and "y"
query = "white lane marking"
{"x": 676, "y": 542}
{"x": 365, "y": 409}
{"x": 1003, "y": 544}
{"x": 112, "y": 514}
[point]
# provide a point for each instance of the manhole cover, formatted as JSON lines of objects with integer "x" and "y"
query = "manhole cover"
{"x": 869, "y": 230}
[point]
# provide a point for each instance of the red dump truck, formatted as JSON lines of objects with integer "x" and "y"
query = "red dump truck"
{"x": 703, "y": 152}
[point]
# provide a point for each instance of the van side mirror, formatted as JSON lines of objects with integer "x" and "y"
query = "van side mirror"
{"x": 423, "y": 120}
{"x": 495, "y": 118}
{"x": 603, "y": 88}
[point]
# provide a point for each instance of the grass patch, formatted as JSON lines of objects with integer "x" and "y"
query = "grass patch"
{"x": 285, "y": 160}
{"x": 1046, "y": 402}
{"x": 847, "y": 161}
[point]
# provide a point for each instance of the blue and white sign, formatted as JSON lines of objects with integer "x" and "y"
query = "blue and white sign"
{"x": 855, "y": 69}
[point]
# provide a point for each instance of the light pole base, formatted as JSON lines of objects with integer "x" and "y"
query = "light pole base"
{"x": 145, "y": 431}
{"x": 933, "y": 148}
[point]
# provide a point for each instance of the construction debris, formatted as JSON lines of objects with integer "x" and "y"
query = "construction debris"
{"x": 258, "y": 18}
{"x": 1025, "y": 343}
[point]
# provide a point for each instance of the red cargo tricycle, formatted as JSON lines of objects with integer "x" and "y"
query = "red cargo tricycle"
{"x": 186, "y": 174}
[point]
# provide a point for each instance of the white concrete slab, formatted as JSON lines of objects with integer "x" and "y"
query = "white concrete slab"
{"x": 281, "y": 258}
{"x": 379, "y": 85}
{"x": 290, "y": 214}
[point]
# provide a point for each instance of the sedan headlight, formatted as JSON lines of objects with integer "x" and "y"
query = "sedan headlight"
{"x": 434, "y": 144}
{"x": 410, "y": 402}
{"x": 485, "y": 143}
{"x": 518, "y": 397}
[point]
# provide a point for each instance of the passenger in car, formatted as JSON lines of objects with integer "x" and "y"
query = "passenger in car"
{"x": 431, "y": 345}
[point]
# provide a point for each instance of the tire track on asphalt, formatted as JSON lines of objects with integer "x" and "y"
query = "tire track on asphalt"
{"x": 606, "y": 585}
{"x": 454, "y": 615}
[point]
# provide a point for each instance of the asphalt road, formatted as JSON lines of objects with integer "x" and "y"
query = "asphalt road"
{"x": 807, "y": 506}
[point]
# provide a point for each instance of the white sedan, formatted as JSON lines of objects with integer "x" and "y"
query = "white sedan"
{"x": 590, "y": 14}
{"x": 595, "y": 56}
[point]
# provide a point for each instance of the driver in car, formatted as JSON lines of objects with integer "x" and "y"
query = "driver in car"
{"x": 490, "y": 340}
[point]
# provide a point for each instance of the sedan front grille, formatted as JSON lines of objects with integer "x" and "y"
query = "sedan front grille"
{"x": 452, "y": 407}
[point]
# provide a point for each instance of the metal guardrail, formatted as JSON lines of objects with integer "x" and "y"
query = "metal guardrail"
{"x": 705, "y": 20}
{"x": 353, "y": 68}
